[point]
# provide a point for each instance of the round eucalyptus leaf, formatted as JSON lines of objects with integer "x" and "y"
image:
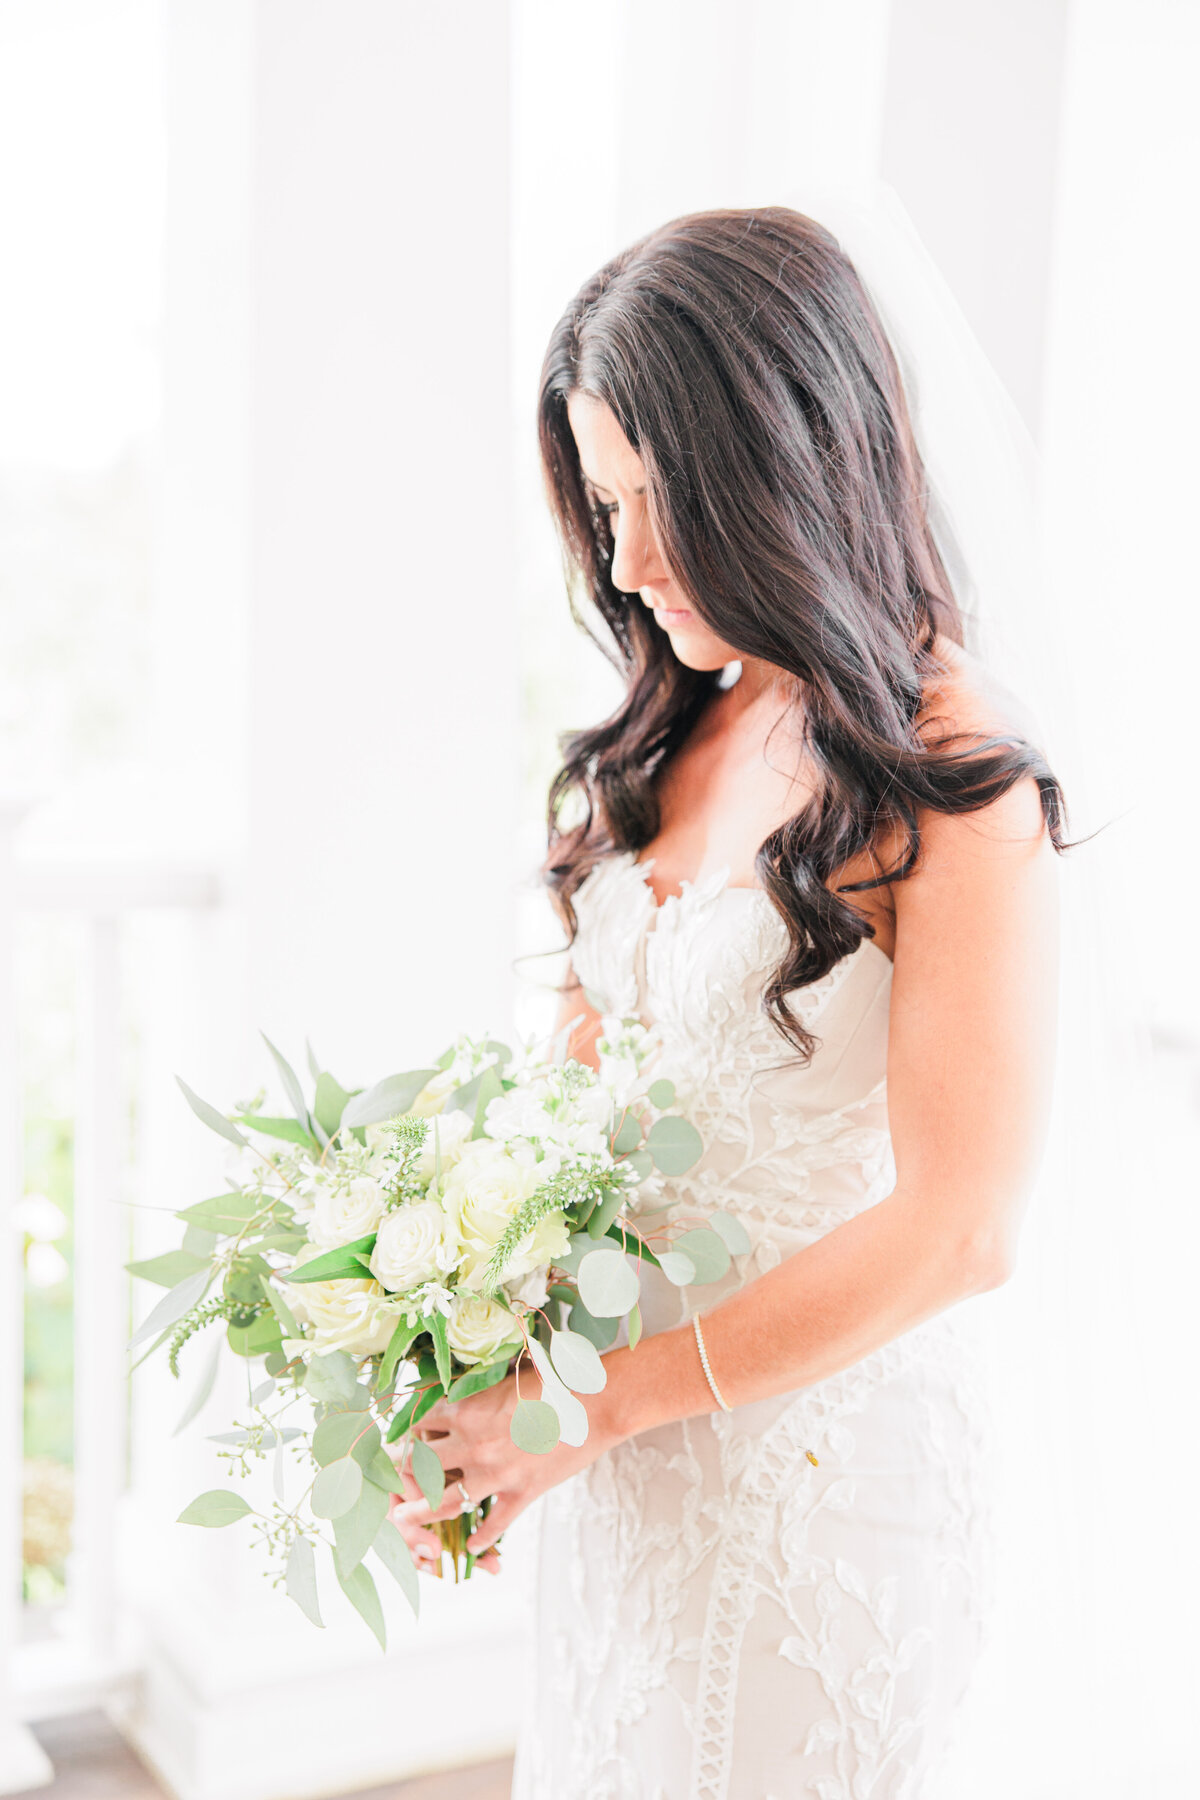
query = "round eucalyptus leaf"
{"x": 534, "y": 1427}
{"x": 677, "y": 1267}
{"x": 577, "y": 1362}
{"x": 641, "y": 1162}
{"x": 732, "y": 1232}
{"x": 571, "y": 1413}
{"x": 674, "y": 1143}
{"x": 336, "y": 1488}
{"x": 608, "y": 1286}
{"x": 661, "y": 1093}
{"x": 706, "y": 1250}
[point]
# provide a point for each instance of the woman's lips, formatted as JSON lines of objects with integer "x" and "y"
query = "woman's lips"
{"x": 671, "y": 615}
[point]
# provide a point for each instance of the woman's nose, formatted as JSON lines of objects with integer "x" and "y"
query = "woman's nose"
{"x": 635, "y": 554}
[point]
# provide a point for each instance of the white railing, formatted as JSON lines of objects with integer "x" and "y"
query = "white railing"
{"x": 83, "y": 1660}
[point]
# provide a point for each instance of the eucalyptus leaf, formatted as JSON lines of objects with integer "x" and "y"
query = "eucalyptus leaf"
{"x": 428, "y": 1472}
{"x": 290, "y": 1130}
{"x": 629, "y": 1135}
{"x": 215, "y": 1508}
{"x": 256, "y": 1339}
{"x": 329, "y": 1103}
{"x": 572, "y": 1414}
{"x": 338, "y": 1433}
{"x": 290, "y": 1080}
{"x": 600, "y": 1332}
{"x": 171, "y": 1308}
{"x": 674, "y": 1143}
{"x": 203, "y": 1388}
{"x": 262, "y": 1392}
{"x": 661, "y": 1093}
{"x": 490, "y": 1088}
{"x": 577, "y": 1362}
{"x": 335, "y": 1265}
{"x": 301, "y": 1579}
{"x": 226, "y": 1214}
{"x": 629, "y": 1242}
{"x": 707, "y": 1251}
{"x": 396, "y": 1558}
{"x": 332, "y": 1377}
{"x": 198, "y": 1241}
{"x": 534, "y": 1427}
{"x": 354, "y": 1531}
{"x": 604, "y": 1214}
{"x": 336, "y": 1488}
{"x": 635, "y": 1327}
{"x": 413, "y": 1411}
{"x": 608, "y": 1286}
{"x": 501, "y": 1052}
{"x": 169, "y": 1269}
{"x": 363, "y": 1596}
{"x": 211, "y": 1117}
{"x": 314, "y": 1067}
{"x": 580, "y": 1244}
{"x": 384, "y": 1473}
{"x": 641, "y": 1162}
{"x": 732, "y": 1232}
{"x": 677, "y": 1267}
{"x": 280, "y": 1308}
{"x": 387, "y": 1099}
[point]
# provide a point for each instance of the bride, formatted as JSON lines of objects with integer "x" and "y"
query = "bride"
{"x": 814, "y": 847}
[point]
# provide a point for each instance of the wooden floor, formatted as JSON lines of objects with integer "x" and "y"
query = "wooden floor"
{"x": 93, "y": 1762}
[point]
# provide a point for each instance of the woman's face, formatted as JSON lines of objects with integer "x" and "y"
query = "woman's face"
{"x": 616, "y": 478}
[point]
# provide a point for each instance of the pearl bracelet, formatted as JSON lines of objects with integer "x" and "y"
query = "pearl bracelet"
{"x": 718, "y": 1396}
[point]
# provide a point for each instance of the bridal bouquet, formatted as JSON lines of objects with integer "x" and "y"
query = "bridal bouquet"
{"x": 379, "y": 1249}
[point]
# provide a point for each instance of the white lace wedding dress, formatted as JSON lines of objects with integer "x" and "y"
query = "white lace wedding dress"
{"x": 715, "y": 1618}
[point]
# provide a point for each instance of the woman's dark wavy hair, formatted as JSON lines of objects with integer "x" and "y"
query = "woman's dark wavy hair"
{"x": 745, "y": 363}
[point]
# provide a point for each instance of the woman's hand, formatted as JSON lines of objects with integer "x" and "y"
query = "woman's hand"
{"x": 471, "y": 1440}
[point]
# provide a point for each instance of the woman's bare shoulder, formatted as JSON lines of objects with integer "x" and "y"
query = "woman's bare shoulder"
{"x": 965, "y": 696}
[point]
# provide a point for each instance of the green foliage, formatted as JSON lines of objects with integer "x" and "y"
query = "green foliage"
{"x": 387, "y": 1099}
{"x": 396, "y": 1558}
{"x": 290, "y": 1130}
{"x": 577, "y": 1362}
{"x": 210, "y": 1116}
{"x": 169, "y": 1269}
{"x": 408, "y": 1135}
{"x": 489, "y": 1088}
{"x": 600, "y": 1332}
{"x": 291, "y": 1084}
{"x": 215, "y": 1508}
{"x": 707, "y": 1251}
{"x": 428, "y": 1472}
{"x": 329, "y": 1103}
{"x": 675, "y": 1144}
{"x": 475, "y": 1381}
{"x": 661, "y": 1093}
{"x": 570, "y": 1188}
{"x": 342, "y": 1264}
{"x": 336, "y": 1488}
{"x": 732, "y": 1233}
{"x": 399, "y": 1344}
{"x": 414, "y": 1409}
{"x": 332, "y": 1378}
{"x": 441, "y": 1347}
{"x": 608, "y": 1286}
{"x": 534, "y": 1427}
{"x": 363, "y": 1595}
{"x": 355, "y": 1530}
{"x": 345, "y": 1434}
{"x": 301, "y": 1579}
{"x": 629, "y": 1135}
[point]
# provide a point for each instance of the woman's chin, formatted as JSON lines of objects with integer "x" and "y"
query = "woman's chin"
{"x": 699, "y": 650}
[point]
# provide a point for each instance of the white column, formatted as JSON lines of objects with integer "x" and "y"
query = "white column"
{"x": 23, "y": 1763}
{"x": 337, "y": 491}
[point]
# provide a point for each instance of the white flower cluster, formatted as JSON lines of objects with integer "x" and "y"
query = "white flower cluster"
{"x": 432, "y": 1251}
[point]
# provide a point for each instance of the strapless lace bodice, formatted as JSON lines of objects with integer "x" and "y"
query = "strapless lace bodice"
{"x": 716, "y": 1619}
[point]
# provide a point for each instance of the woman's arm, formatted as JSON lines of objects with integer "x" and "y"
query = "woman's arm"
{"x": 969, "y": 1067}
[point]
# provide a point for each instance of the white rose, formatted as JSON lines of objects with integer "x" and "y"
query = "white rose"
{"x": 356, "y": 1316}
{"x": 478, "y": 1327}
{"x": 344, "y": 1213}
{"x": 415, "y": 1243}
{"x": 483, "y": 1192}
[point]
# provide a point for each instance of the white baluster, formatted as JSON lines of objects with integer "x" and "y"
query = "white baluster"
{"x": 23, "y": 1763}
{"x": 101, "y": 1288}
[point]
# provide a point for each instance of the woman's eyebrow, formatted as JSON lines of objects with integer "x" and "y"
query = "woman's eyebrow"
{"x": 600, "y": 487}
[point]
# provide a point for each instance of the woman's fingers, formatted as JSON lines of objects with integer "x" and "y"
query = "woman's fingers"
{"x": 498, "y": 1520}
